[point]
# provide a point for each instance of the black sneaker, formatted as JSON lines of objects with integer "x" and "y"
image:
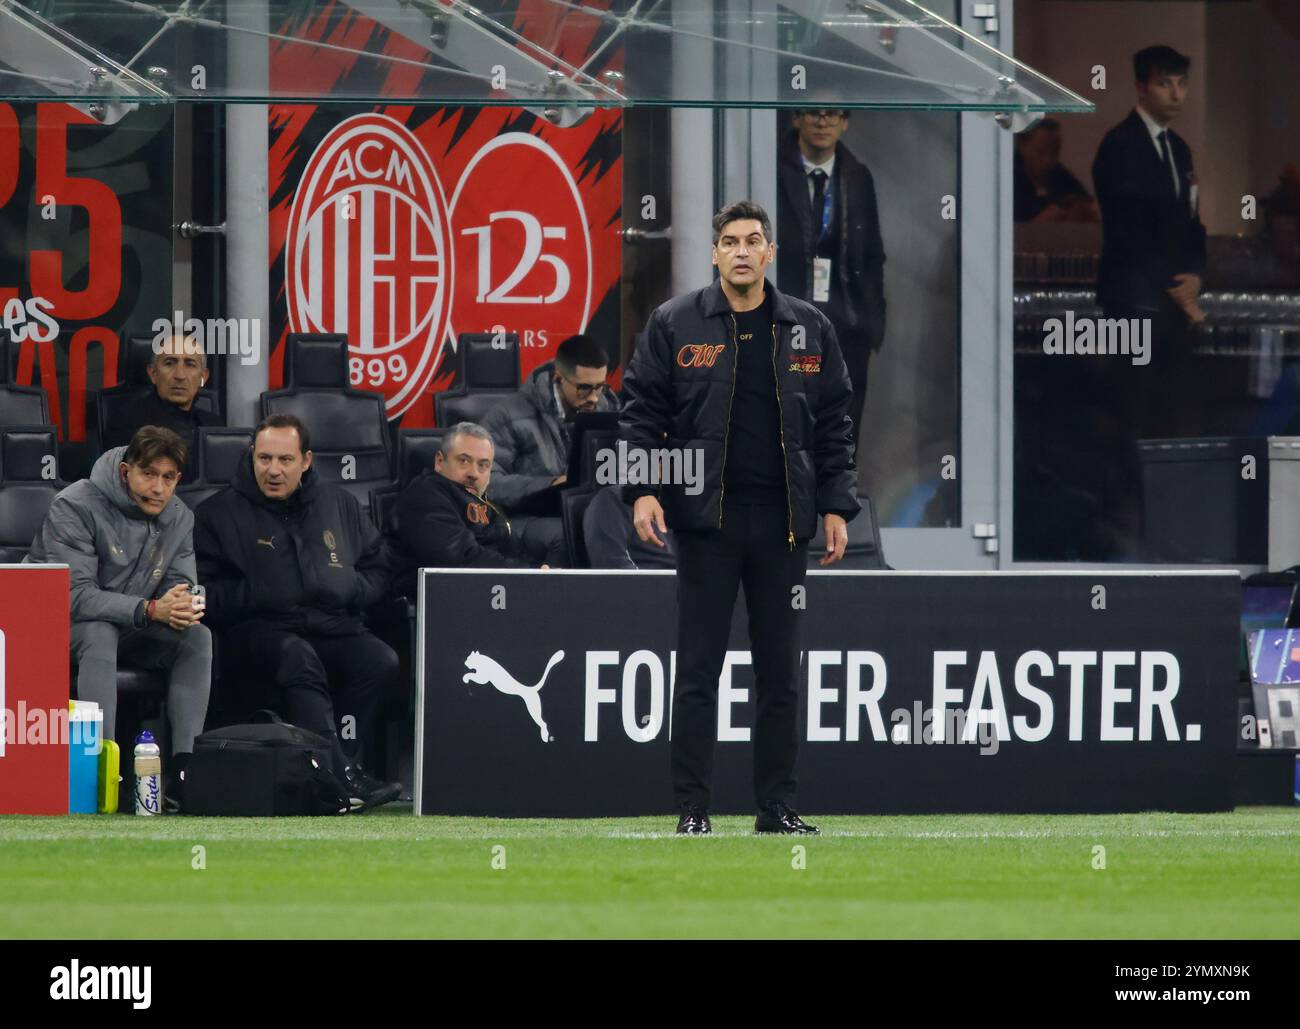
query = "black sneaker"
{"x": 694, "y": 822}
{"x": 173, "y": 801}
{"x": 367, "y": 791}
{"x": 778, "y": 818}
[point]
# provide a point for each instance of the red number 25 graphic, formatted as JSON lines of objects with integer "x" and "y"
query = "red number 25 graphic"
{"x": 55, "y": 186}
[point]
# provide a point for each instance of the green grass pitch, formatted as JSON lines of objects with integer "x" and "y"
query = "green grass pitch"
{"x": 388, "y": 874}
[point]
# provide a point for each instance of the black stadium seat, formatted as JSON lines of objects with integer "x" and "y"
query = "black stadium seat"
{"x": 415, "y": 452}
{"x": 26, "y": 488}
{"x": 23, "y": 405}
{"x": 217, "y": 453}
{"x": 19, "y": 405}
{"x": 133, "y": 356}
{"x": 487, "y": 370}
{"x": 220, "y": 451}
{"x": 192, "y": 494}
{"x": 450, "y": 408}
{"x": 488, "y": 361}
{"x": 348, "y": 427}
{"x": 573, "y": 508}
{"x": 316, "y": 360}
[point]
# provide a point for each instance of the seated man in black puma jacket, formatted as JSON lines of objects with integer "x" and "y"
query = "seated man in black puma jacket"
{"x": 444, "y": 518}
{"x": 290, "y": 563}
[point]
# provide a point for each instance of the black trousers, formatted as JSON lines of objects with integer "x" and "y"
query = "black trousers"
{"x": 752, "y": 549}
{"x": 323, "y": 683}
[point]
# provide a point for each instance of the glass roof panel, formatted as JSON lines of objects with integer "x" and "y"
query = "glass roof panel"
{"x": 547, "y": 53}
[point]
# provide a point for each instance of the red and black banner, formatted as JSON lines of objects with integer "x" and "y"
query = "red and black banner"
{"x": 404, "y": 226}
{"x": 85, "y": 245}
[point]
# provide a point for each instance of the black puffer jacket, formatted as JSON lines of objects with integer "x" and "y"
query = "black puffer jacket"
{"x": 674, "y": 397}
{"x": 312, "y": 562}
{"x": 444, "y": 525}
{"x": 530, "y": 448}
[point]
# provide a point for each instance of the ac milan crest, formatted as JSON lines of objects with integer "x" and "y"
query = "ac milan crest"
{"x": 367, "y": 254}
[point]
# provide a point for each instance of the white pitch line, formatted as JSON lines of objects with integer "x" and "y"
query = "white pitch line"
{"x": 1093, "y": 834}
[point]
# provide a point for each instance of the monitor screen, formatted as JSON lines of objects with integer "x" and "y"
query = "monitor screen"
{"x": 1274, "y": 656}
{"x": 1265, "y": 607}
{"x": 1262, "y": 607}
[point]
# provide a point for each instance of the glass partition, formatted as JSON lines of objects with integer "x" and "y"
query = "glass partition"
{"x": 880, "y": 53}
{"x": 558, "y": 117}
{"x": 1152, "y": 427}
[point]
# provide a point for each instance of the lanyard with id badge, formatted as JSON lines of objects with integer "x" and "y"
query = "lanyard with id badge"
{"x": 822, "y": 265}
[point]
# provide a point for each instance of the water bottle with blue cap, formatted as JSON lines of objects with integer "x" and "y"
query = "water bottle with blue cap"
{"x": 148, "y": 775}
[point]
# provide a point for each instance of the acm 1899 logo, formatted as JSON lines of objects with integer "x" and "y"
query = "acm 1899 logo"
{"x": 375, "y": 250}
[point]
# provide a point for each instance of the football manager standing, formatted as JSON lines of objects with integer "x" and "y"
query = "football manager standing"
{"x": 754, "y": 381}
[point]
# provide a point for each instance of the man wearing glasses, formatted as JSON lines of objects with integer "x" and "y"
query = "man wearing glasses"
{"x": 532, "y": 431}
{"x": 831, "y": 252}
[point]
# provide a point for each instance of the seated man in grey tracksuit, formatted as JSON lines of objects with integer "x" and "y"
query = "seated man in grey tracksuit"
{"x": 127, "y": 541}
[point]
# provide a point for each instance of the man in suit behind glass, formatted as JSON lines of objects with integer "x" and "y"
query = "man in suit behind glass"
{"x": 828, "y": 230}
{"x": 1153, "y": 242}
{"x": 1152, "y": 261}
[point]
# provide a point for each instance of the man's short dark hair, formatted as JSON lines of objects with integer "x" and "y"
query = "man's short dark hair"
{"x": 152, "y": 442}
{"x": 581, "y": 351}
{"x": 1155, "y": 60}
{"x": 285, "y": 421}
{"x": 741, "y": 210}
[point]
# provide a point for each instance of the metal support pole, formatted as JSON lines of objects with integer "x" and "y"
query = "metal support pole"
{"x": 691, "y": 136}
{"x": 247, "y": 245}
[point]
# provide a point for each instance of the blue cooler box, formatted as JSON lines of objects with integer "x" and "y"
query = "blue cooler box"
{"x": 85, "y": 735}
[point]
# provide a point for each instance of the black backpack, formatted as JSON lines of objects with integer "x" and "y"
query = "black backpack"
{"x": 267, "y": 767}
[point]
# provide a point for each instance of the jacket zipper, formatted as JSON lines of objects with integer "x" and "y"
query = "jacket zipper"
{"x": 785, "y": 457}
{"x": 735, "y": 360}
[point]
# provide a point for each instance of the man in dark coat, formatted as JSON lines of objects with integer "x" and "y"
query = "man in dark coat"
{"x": 744, "y": 391}
{"x": 828, "y": 233}
{"x": 1152, "y": 265}
{"x": 444, "y": 517}
{"x": 290, "y": 564}
{"x": 177, "y": 372}
{"x": 1153, "y": 242}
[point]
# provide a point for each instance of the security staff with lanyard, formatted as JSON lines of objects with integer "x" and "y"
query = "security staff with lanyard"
{"x": 754, "y": 380}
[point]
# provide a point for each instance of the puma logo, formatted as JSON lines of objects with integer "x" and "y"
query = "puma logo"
{"x": 484, "y": 671}
{"x": 267, "y": 543}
